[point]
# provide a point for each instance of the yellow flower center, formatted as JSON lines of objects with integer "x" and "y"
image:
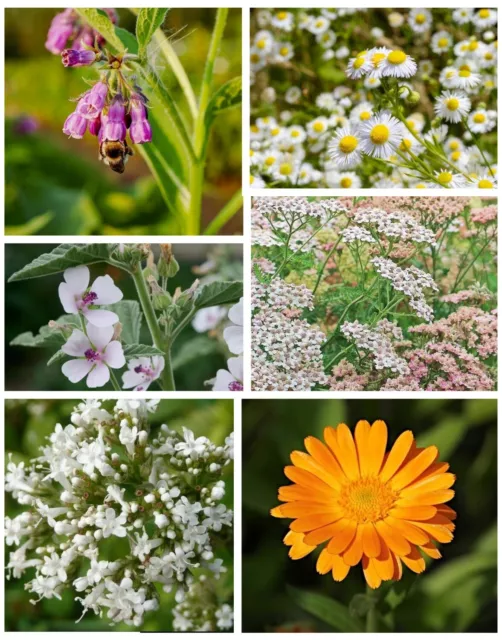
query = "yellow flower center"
{"x": 464, "y": 73}
{"x": 295, "y": 133}
{"x": 346, "y": 183}
{"x": 485, "y": 184}
{"x": 318, "y": 127}
{"x": 420, "y": 186}
{"x": 285, "y": 169}
{"x": 319, "y": 24}
{"x": 254, "y": 128}
{"x": 445, "y": 177}
{"x": 454, "y": 145}
{"x": 488, "y": 55}
{"x": 452, "y": 104}
{"x": 380, "y": 134}
{"x": 366, "y": 500}
{"x": 365, "y": 115}
{"x": 284, "y": 51}
{"x": 282, "y": 15}
{"x": 484, "y": 13}
{"x": 456, "y": 155}
{"x": 377, "y": 58}
{"x": 275, "y": 132}
{"x": 473, "y": 45}
{"x": 251, "y": 179}
{"x": 420, "y": 18}
{"x": 411, "y": 124}
{"x": 479, "y": 118}
{"x": 450, "y": 74}
{"x": 359, "y": 61}
{"x": 269, "y": 161}
{"x": 261, "y": 44}
{"x": 396, "y": 57}
{"x": 347, "y": 144}
{"x": 443, "y": 42}
{"x": 406, "y": 144}
{"x": 255, "y": 58}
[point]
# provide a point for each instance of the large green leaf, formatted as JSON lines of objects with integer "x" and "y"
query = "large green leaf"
{"x": 46, "y": 336}
{"x": 198, "y": 347}
{"x": 130, "y": 317}
{"x": 326, "y": 609}
{"x": 226, "y": 97}
{"x": 63, "y": 257}
{"x": 118, "y": 40}
{"x": 149, "y": 20}
{"x": 141, "y": 351}
{"x": 218, "y": 293}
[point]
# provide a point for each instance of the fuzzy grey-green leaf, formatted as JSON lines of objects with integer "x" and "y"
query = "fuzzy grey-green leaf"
{"x": 141, "y": 351}
{"x": 63, "y": 257}
{"x": 130, "y": 317}
{"x": 218, "y": 293}
{"x": 148, "y": 21}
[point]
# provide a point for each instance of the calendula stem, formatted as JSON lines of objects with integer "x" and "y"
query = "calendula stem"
{"x": 371, "y": 616}
{"x": 154, "y": 328}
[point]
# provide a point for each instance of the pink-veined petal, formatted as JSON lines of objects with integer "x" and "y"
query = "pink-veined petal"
{"x": 236, "y": 313}
{"x": 99, "y": 376}
{"x": 236, "y": 367}
{"x": 234, "y": 337}
{"x": 223, "y": 379}
{"x": 106, "y": 290}
{"x": 114, "y": 355}
{"x": 100, "y": 317}
{"x": 77, "y": 278}
{"x": 75, "y": 370}
{"x": 99, "y": 336}
{"x": 67, "y": 297}
{"x": 77, "y": 344}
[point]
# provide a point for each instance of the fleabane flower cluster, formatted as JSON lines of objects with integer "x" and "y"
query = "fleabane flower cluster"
{"x": 115, "y": 105}
{"x": 108, "y": 475}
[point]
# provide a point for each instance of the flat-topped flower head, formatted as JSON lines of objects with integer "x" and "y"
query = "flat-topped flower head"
{"x": 381, "y": 509}
{"x": 452, "y": 106}
{"x": 381, "y": 135}
{"x": 94, "y": 354}
{"x": 344, "y": 148}
{"x": 78, "y": 297}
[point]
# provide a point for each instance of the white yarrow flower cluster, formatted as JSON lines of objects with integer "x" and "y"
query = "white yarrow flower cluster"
{"x": 105, "y": 476}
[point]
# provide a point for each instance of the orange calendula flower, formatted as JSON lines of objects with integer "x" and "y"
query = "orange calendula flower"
{"x": 383, "y": 509}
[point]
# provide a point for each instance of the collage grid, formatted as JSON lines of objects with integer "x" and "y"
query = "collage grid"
{"x": 267, "y": 595}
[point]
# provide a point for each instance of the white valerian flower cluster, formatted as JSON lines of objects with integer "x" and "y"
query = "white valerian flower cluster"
{"x": 107, "y": 475}
{"x": 411, "y": 281}
{"x": 286, "y": 350}
{"x": 394, "y": 224}
{"x": 378, "y": 341}
{"x": 199, "y": 612}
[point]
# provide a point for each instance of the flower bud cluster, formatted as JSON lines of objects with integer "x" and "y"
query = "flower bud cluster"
{"x": 395, "y": 224}
{"x": 106, "y": 475}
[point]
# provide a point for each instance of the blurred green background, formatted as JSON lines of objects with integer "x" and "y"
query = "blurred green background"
{"x": 56, "y": 185}
{"x": 27, "y": 423}
{"x": 456, "y": 593}
{"x": 31, "y": 304}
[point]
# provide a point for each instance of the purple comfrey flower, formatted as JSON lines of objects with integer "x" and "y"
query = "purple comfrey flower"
{"x": 140, "y": 130}
{"x": 142, "y": 372}
{"x": 92, "y": 102}
{"x": 77, "y": 297}
{"x": 75, "y": 125}
{"x": 95, "y": 126}
{"x": 94, "y": 353}
{"x": 113, "y": 124}
{"x": 77, "y": 58}
{"x": 60, "y": 31}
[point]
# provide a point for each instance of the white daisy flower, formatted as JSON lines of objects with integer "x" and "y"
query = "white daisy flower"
{"x": 283, "y": 20}
{"x": 381, "y": 135}
{"x": 452, "y": 106}
{"x": 480, "y": 122}
{"x": 263, "y": 42}
{"x": 484, "y": 18}
{"x": 488, "y": 57}
{"x": 286, "y": 170}
{"x": 453, "y": 144}
{"x": 266, "y": 123}
{"x": 410, "y": 144}
{"x": 256, "y": 59}
{"x": 342, "y": 52}
{"x": 446, "y": 179}
{"x": 448, "y": 77}
{"x": 318, "y": 25}
{"x": 395, "y": 19}
{"x": 376, "y": 56}
{"x": 255, "y": 182}
{"x": 466, "y": 79}
{"x": 326, "y": 102}
{"x": 416, "y": 122}
{"x": 296, "y": 134}
{"x": 398, "y": 64}
{"x": 326, "y": 39}
{"x": 462, "y": 16}
{"x": 344, "y": 148}
{"x": 361, "y": 113}
{"x": 359, "y": 66}
{"x": 459, "y": 158}
{"x": 420, "y": 20}
{"x": 343, "y": 180}
{"x": 270, "y": 159}
{"x": 317, "y": 127}
{"x": 329, "y": 54}
{"x": 486, "y": 181}
{"x": 425, "y": 67}
{"x": 293, "y": 95}
{"x": 372, "y": 83}
{"x": 255, "y": 157}
{"x": 441, "y": 42}
{"x": 283, "y": 52}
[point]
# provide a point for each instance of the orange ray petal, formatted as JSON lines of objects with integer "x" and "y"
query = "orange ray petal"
{"x": 397, "y": 455}
{"x": 323, "y": 456}
{"x": 377, "y": 446}
{"x": 324, "y": 533}
{"x": 344, "y": 448}
{"x": 384, "y": 564}
{"x": 394, "y": 540}
{"x": 398, "y": 568}
{"x": 414, "y": 468}
{"x": 354, "y": 551}
{"x": 409, "y": 531}
{"x": 307, "y": 480}
{"x": 370, "y": 573}
{"x": 413, "y": 513}
{"x": 324, "y": 562}
{"x": 436, "y": 531}
{"x": 361, "y": 434}
{"x": 340, "y": 569}
{"x": 303, "y": 509}
{"x": 292, "y": 492}
{"x": 447, "y": 511}
{"x": 371, "y": 540}
{"x": 436, "y": 469}
{"x": 414, "y": 561}
{"x": 427, "y": 499}
{"x": 298, "y": 547}
{"x": 431, "y": 550}
{"x": 430, "y": 483}
{"x": 310, "y": 523}
{"x": 303, "y": 461}
{"x": 341, "y": 540}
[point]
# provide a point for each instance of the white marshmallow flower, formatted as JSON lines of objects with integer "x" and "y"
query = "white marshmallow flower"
{"x": 77, "y": 297}
{"x": 234, "y": 334}
{"x": 230, "y": 380}
{"x": 95, "y": 353}
{"x": 142, "y": 372}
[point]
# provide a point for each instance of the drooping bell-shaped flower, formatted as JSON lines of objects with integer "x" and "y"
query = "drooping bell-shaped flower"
{"x": 92, "y": 102}
{"x": 140, "y": 130}
{"x": 75, "y": 125}
{"x": 77, "y": 58}
{"x": 114, "y": 125}
{"x": 60, "y": 31}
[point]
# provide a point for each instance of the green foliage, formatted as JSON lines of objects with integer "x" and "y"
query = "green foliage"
{"x": 148, "y": 21}
{"x": 217, "y": 293}
{"x": 329, "y": 611}
{"x": 197, "y": 348}
{"x": 141, "y": 351}
{"x": 130, "y": 317}
{"x": 226, "y": 97}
